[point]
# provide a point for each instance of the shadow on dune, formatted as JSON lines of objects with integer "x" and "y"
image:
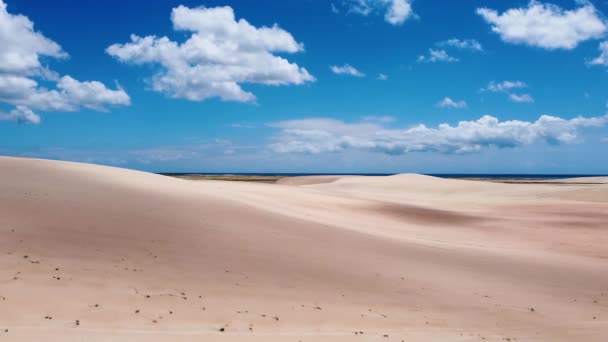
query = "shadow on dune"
{"x": 415, "y": 214}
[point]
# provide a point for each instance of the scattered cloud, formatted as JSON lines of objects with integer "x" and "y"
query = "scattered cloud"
{"x": 220, "y": 55}
{"x": 396, "y": 12}
{"x": 465, "y": 44}
{"x": 508, "y": 87}
{"x": 547, "y": 26}
{"x": 346, "y": 69}
{"x": 322, "y": 135}
{"x": 449, "y": 103}
{"x": 441, "y": 54}
{"x": 435, "y": 56}
{"x": 602, "y": 59}
{"x": 504, "y": 86}
{"x": 382, "y": 77}
{"x": 522, "y": 98}
{"x": 21, "y": 70}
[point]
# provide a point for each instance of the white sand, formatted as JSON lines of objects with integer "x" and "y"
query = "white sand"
{"x": 413, "y": 257}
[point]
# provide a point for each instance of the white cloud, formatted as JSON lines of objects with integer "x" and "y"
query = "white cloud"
{"x": 504, "y": 86}
{"x": 522, "y": 98}
{"x": 442, "y": 55}
{"x": 220, "y": 55}
{"x": 396, "y": 12}
{"x": 507, "y": 87}
{"x": 70, "y": 94}
{"x": 321, "y": 135}
{"x": 346, "y": 69}
{"x": 602, "y": 59}
{"x": 449, "y": 103}
{"x": 22, "y": 47}
{"x": 21, "y": 70}
{"x": 436, "y": 56}
{"x": 465, "y": 44}
{"x": 21, "y": 115}
{"x": 547, "y": 26}
{"x": 382, "y": 77}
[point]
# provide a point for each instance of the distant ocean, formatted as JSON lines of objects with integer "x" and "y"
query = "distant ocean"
{"x": 442, "y": 175}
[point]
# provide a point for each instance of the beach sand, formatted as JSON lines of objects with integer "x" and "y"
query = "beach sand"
{"x": 93, "y": 253}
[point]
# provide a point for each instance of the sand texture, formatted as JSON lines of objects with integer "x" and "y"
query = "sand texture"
{"x": 92, "y": 253}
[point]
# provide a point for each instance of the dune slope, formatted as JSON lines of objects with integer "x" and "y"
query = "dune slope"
{"x": 113, "y": 254}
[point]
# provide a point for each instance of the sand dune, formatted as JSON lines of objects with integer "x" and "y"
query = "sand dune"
{"x": 104, "y": 254}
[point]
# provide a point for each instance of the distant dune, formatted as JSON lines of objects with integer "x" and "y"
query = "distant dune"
{"x": 92, "y": 253}
{"x": 309, "y": 180}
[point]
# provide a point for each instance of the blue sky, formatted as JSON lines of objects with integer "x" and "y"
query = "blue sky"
{"x": 344, "y": 86}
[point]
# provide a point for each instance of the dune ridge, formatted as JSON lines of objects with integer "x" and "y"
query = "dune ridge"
{"x": 113, "y": 254}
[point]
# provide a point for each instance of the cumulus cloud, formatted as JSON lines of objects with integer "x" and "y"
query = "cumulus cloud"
{"x": 449, "y": 103}
{"x": 435, "y": 56}
{"x": 346, "y": 69}
{"x": 21, "y": 69}
{"x": 507, "y": 87}
{"x": 396, "y": 12}
{"x": 465, "y": 44}
{"x": 220, "y": 54}
{"x": 21, "y": 115}
{"x": 602, "y": 59}
{"x": 382, "y": 77}
{"x": 69, "y": 95}
{"x": 547, "y": 26}
{"x": 22, "y": 47}
{"x": 321, "y": 135}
